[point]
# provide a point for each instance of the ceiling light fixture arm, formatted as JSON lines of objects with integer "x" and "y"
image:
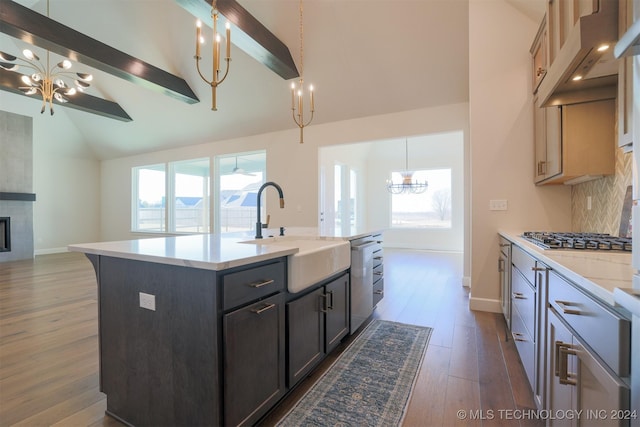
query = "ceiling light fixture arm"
{"x": 215, "y": 47}
{"x": 297, "y": 110}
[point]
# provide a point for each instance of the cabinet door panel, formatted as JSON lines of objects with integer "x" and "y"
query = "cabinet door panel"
{"x": 337, "y": 317}
{"x": 539, "y": 136}
{"x": 560, "y": 397}
{"x": 553, "y": 123}
{"x": 305, "y": 322}
{"x": 598, "y": 389}
{"x": 254, "y": 345}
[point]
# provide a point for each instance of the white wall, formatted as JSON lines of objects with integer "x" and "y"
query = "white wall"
{"x": 501, "y": 127}
{"x": 294, "y": 166}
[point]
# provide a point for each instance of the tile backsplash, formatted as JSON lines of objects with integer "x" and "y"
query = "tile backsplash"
{"x": 607, "y": 197}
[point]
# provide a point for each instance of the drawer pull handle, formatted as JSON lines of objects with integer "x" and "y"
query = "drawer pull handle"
{"x": 261, "y": 283}
{"x": 517, "y": 336}
{"x": 377, "y": 257}
{"x": 379, "y": 292}
{"x": 540, "y": 269}
{"x": 263, "y": 309}
{"x": 378, "y": 273}
{"x": 564, "y": 306}
{"x": 518, "y": 295}
{"x": 563, "y": 351}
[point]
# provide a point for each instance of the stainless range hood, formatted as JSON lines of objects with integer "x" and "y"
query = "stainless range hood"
{"x": 581, "y": 57}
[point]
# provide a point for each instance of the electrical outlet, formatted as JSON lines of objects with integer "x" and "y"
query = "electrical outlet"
{"x": 148, "y": 301}
{"x": 497, "y": 205}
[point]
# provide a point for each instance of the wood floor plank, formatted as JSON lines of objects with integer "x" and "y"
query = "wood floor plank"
{"x": 464, "y": 353}
{"x": 426, "y": 407}
{"x": 462, "y": 403}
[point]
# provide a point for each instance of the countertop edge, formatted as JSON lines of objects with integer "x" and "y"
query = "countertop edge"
{"x": 591, "y": 287}
{"x": 182, "y": 262}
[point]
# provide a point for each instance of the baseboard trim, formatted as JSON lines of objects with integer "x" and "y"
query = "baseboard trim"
{"x": 485, "y": 304}
{"x": 51, "y": 251}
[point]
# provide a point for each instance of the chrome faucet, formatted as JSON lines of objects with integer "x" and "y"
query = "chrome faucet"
{"x": 259, "y": 224}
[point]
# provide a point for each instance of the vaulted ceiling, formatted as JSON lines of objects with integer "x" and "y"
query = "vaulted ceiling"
{"x": 364, "y": 57}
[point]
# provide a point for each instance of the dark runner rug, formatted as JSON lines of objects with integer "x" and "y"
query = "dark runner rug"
{"x": 370, "y": 383}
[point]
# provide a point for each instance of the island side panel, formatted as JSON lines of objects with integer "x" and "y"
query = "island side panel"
{"x": 159, "y": 367}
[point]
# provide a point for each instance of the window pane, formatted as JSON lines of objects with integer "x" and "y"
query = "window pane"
{"x": 149, "y": 193}
{"x": 431, "y": 209}
{"x": 240, "y": 178}
{"x": 191, "y": 196}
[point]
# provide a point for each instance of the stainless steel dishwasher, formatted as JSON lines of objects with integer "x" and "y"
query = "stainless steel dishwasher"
{"x": 361, "y": 281}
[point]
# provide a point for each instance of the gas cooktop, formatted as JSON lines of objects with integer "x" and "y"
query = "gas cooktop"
{"x": 586, "y": 241}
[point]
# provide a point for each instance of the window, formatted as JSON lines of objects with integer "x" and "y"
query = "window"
{"x": 171, "y": 197}
{"x": 190, "y": 196}
{"x": 431, "y": 209}
{"x": 149, "y": 198}
{"x": 239, "y": 178}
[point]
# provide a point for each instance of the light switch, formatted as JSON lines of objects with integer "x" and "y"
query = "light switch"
{"x": 148, "y": 301}
{"x": 497, "y": 205}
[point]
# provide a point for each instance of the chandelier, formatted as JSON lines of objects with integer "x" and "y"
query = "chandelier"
{"x": 216, "y": 79}
{"x": 297, "y": 107}
{"x": 44, "y": 79}
{"x": 407, "y": 185}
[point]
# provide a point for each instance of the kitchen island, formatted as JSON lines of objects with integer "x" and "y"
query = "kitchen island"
{"x": 193, "y": 329}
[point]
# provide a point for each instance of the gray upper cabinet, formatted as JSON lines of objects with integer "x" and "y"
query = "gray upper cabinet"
{"x": 625, "y": 79}
{"x": 574, "y": 142}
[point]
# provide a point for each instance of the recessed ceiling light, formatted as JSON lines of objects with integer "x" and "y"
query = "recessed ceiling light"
{"x": 576, "y": 78}
{"x": 603, "y": 47}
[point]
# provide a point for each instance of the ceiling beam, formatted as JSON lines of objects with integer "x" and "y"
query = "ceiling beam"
{"x": 248, "y": 34}
{"x": 36, "y": 29}
{"x": 10, "y": 81}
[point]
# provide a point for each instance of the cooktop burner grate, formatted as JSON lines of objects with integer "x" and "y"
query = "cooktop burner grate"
{"x": 586, "y": 241}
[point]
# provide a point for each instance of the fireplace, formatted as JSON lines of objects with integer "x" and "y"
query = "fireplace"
{"x": 5, "y": 234}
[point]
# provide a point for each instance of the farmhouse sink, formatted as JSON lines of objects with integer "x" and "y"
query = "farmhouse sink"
{"x": 316, "y": 259}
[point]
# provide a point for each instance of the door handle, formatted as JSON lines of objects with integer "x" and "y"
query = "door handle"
{"x": 564, "y": 376}
{"x": 564, "y": 306}
{"x": 261, "y": 283}
{"x": 263, "y": 309}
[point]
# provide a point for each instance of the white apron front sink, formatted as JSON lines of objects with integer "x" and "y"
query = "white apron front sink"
{"x": 317, "y": 258}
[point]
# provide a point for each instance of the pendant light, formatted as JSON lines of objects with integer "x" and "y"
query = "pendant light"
{"x": 407, "y": 185}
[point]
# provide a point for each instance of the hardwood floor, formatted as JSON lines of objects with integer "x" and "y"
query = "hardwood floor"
{"x": 49, "y": 345}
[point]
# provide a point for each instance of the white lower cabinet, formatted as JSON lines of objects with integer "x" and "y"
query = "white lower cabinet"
{"x": 580, "y": 387}
{"x": 574, "y": 347}
{"x": 588, "y": 354}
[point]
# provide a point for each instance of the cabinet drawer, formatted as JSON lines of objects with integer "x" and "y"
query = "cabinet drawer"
{"x": 248, "y": 285}
{"x": 523, "y": 297}
{"x": 378, "y": 257}
{"x": 608, "y": 334}
{"x": 378, "y": 291}
{"x": 378, "y": 271}
{"x": 524, "y": 344}
{"x": 525, "y": 263}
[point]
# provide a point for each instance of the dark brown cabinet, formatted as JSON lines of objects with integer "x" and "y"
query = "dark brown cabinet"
{"x": 337, "y": 312}
{"x": 306, "y": 334}
{"x": 316, "y": 323}
{"x": 159, "y": 365}
{"x": 254, "y": 360}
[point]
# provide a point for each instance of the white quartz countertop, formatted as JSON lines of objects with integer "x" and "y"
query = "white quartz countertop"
{"x": 206, "y": 251}
{"x": 597, "y": 272}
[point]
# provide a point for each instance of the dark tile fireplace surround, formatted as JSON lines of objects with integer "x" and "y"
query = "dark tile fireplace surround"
{"x": 16, "y": 199}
